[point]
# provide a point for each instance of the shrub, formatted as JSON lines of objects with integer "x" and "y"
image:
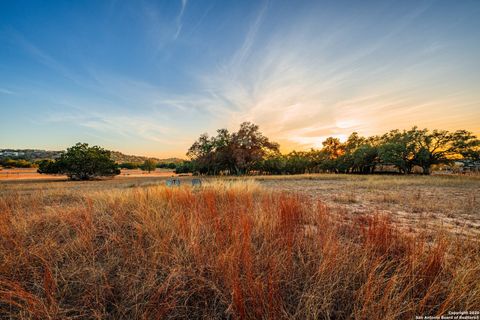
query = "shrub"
{"x": 18, "y": 163}
{"x": 184, "y": 167}
{"x": 129, "y": 165}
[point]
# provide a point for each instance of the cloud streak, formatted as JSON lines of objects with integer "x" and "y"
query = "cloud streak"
{"x": 179, "y": 18}
{"x": 300, "y": 94}
{"x": 302, "y": 72}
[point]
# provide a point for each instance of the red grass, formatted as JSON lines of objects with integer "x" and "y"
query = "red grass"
{"x": 235, "y": 252}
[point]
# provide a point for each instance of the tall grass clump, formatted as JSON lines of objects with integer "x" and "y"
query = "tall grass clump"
{"x": 223, "y": 251}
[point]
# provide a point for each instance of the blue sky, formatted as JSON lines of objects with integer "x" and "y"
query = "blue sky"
{"x": 147, "y": 77}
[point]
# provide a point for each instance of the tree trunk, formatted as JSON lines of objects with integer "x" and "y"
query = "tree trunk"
{"x": 426, "y": 170}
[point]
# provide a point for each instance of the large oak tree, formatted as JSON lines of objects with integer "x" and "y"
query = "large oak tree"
{"x": 82, "y": 162}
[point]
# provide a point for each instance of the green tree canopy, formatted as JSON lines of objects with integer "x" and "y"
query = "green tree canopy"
{"x": 235, "y": 153}
{"x": 82, "y": 162}
{"x": 441, "y": 146}
{"x": 149, "y": 165}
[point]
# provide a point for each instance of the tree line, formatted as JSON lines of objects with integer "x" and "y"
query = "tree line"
{"x": 148, "y": 164}
{"x": 17, "y": 163}
{"x": 248, "y": 151}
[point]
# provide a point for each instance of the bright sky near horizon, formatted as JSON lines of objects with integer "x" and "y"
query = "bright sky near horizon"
{"x": 148, "y": 77}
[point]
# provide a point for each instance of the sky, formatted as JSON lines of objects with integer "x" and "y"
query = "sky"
{"x": 148, "y": 77}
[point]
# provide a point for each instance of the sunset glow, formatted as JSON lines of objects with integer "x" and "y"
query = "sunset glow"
{"x": 148, "y": 77}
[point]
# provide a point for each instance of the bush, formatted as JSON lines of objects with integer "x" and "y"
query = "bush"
{"x": 184, "y": 167}
{"x": 130, "y": 165}
{"x": 20, "y": 163}
{"x": 48, "y": 167}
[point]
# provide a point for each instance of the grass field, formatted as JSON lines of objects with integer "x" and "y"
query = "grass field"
{"x": 294, "y": 247}
{"x": 28, "y": 174}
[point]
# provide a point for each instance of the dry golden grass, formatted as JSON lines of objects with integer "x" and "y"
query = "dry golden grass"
{"x": 226, "y": 250}
{"x": 416, "y": 202}
{"x": 19, "y": 174}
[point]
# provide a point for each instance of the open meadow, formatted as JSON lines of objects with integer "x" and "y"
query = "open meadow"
{"x": 32, "y": 174}
{"x": 277, "y": 247}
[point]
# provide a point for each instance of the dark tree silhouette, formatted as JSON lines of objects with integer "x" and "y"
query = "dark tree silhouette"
{"x": 248, "y": 150}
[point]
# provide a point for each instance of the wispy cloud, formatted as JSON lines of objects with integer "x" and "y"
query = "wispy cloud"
{"x": 288, "y": 85}
{"x": 127, "y": 126}
{"x": 179, "y": 18}
{"x": 245, "y": 49}
{"x": 299, "y": 71}
{"x": 42, "y": 56}
{"x": 301, "y": 91}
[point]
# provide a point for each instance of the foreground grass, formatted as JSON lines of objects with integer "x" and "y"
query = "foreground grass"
{"x": 227, "y": 250}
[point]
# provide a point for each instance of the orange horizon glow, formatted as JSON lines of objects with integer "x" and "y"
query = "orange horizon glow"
{"x": 303, "y": 71}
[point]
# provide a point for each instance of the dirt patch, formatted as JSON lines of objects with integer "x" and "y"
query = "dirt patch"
{"x": 430, "y": 203}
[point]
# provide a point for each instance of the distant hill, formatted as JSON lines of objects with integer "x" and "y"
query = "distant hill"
{"x": 36, "y": 154}
{"x": 121, "y": 158}
{"x": 29, "y": 154}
